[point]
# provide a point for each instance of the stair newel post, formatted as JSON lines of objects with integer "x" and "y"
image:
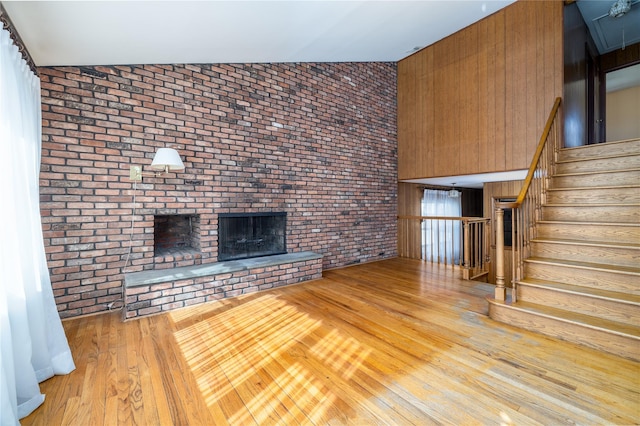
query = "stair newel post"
{"x": 466, "y": 244}
{"x": 500, "y": 292}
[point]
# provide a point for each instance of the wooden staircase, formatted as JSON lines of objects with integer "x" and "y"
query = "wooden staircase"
{"x": 582, "y": 278}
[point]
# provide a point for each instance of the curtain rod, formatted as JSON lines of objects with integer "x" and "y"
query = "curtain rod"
{"x": 17, "y": 40}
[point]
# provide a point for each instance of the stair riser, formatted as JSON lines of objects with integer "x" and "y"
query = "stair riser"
{"x": 603, "y": 280}
{"x": 596, "y": 179}
{"x": 602, "y": 149}
{"x": 544, "y": 304}
{"x": 619, "y": 256}
{"x": 614, "y": 214}
{"x": 580, "y": 231}
{"x": 600, "y": 164}
{"x": 603, "y": 308}
{"x": 595, "y": 195}
{"x": 597, "y": 339}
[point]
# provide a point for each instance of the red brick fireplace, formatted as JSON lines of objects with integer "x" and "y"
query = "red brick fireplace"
{"x": 317, "y": 141}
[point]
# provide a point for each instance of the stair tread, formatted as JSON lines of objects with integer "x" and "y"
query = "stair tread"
{"x": 609, "y": 143}
{"x": 592, "y": 172}
{"x": 568, "y": 222}
{"x": 595, "y": 157}
{"x": 591, "y": 188}
{"x": 588, "y": 291}
{"x": 576, "y": 318}
{"x": 573, "y": 149}
{"x": 630, "y": 270}
{"x": 609, "y": 244}
{"x": 591, "y": 205}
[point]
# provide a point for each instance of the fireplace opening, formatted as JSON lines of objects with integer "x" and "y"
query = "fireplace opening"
{"x": 247, "y": 235}
{"x": 176, "y": 234}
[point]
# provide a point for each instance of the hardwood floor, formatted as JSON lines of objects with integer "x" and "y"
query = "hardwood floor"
{"x": 392, "y": 342}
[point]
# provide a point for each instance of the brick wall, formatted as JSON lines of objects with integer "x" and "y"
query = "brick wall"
{"x": 315, "y": 140}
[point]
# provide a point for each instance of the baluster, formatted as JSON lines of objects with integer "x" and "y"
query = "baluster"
{"x": 460, "y": 225}
{"x": 452, "y": 245}
{"x": 443, "y": 235}
{"x": 517, "y": 242}
{"x": 431, "y": 238}
{"x": 487, "y": 242}
{"x": 500, "y": 291}
{"x": 423, "y": 239}
{"x": 429, "y": 233}
{"x": 467, "y": 250}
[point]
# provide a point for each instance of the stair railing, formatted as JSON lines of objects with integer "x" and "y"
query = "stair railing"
{"x": 422, "y": 238}
{"x": 527, "y": 208}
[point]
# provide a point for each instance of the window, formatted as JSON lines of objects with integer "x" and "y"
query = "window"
{"x": 441, "y": 238}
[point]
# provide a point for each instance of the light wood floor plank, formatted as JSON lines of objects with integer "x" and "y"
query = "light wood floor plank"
{"x": 395, "y": 342}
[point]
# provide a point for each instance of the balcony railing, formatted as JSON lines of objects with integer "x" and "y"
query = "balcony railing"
{"x": 454, "y": 241}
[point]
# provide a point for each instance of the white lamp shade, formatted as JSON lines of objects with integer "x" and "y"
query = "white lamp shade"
{"x": 167, "y": 159}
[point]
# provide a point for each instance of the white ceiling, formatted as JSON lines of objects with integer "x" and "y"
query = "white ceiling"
{"x": 623, "y": 79}
{"x": 471, "y": 181}
{"x": 161, "y": 32}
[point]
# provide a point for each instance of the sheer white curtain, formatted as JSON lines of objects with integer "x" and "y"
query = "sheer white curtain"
{"x": 32, "y": 341}
{"x": 441, "y": 238}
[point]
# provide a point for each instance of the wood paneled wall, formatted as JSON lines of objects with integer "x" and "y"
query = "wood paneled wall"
{"x": 620, "y": 58}
{"x": 409, "y": 204}
{"x": 477, "y": 101}
{"x": 472, "y": 202}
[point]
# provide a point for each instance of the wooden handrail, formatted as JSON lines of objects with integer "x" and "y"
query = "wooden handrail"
{"x": 527, "y": 208}
{"x": 534, "y": 161}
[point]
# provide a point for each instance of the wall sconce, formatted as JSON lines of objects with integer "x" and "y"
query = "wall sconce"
{"x": 166, "y": 160}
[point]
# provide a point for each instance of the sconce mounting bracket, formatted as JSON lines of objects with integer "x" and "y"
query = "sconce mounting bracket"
{"x": 135, "y": 173}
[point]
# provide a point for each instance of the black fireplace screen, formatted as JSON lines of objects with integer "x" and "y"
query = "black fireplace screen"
{"x": 246, "y": 235}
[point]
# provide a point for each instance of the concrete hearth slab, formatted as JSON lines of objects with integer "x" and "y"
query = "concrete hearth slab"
{"x": 136, "y": 279}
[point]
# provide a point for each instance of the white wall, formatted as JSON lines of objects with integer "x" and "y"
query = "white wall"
{"x": 623, "y": 114}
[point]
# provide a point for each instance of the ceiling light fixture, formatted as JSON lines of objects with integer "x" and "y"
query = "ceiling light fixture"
{"x": 619, "y": 8}
{"x": 166, "y": 160}
{"x": 454, "y": 193}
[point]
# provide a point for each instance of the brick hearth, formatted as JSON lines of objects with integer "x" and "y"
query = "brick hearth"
{"x": 150, "y": 292}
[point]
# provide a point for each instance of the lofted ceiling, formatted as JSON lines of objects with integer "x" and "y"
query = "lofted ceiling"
{"x": 59, "y": 33}
{"x": 160, "y": 32}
